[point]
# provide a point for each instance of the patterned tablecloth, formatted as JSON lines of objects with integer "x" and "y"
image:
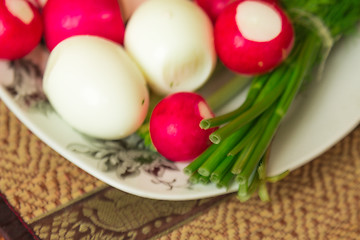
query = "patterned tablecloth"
{"x": 44, "y": 196}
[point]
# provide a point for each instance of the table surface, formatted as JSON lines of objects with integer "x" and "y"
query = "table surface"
{"x": 44, "y": 196}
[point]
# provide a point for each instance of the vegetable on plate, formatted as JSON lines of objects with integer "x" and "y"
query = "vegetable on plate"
{"x": 21, "y": 28}
{"x": 100, "y": 87}
{"x": 66, "y": 18}
{"x": 174, "y": 126}
{"x": 242, "y": 143}
{"x": 253, "y": 36}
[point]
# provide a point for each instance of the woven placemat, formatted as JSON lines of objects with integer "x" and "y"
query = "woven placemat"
{"x": 34, "y": 178}
{"x": 320, "y": 200}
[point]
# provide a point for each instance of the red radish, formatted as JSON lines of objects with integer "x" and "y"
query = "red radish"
{"x": 174, "y": 126}
{"x": 20, "y": 28}
{"x": 213, "y": 8}
{"x": 253, "y": 36}
{"x": 66, "y": 18}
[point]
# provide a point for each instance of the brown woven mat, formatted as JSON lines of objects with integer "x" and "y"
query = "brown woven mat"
{"x": 34, "y": 178}
{"x": 320, "y": 200}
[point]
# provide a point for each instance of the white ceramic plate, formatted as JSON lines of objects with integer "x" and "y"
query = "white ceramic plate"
{"x": 322, "y": 114}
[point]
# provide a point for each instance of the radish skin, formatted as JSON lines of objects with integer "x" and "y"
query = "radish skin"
{"x": 174, "y": 126}
{"x": 66, "y": 18}
{"x": 253, "y": 36}
{"x": 213, "y": 7}
{"x": 21, "y": 28}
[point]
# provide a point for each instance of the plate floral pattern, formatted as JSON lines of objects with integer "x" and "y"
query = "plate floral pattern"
{"x": 128, "y": 157}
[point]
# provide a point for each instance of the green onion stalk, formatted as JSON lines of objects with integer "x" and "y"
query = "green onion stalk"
{"x": 241, "y": 145}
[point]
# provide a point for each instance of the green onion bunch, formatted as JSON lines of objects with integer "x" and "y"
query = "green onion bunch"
{"x": 241, "y": 145}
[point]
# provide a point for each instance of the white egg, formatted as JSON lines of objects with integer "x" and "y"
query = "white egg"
{"x": 96, "y": 87}
{"x": 172, "y": 42}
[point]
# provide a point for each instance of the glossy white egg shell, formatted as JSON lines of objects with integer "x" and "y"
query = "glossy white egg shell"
{"x": 95, "y": 87}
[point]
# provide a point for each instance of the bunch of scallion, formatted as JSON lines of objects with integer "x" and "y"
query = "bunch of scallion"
{"x": 240, "y": 148}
